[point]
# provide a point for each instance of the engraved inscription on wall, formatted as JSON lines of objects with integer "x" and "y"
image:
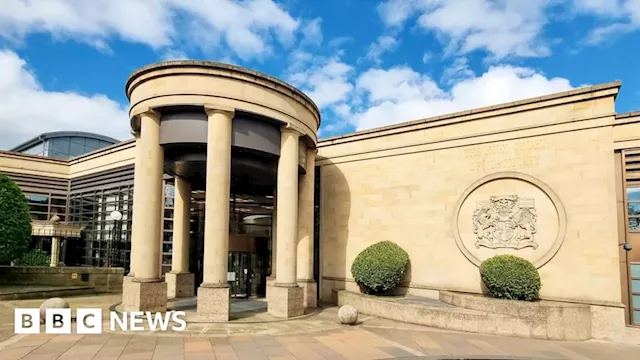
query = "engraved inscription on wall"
{"x": 505, "y": 221}
{"x": 505, "y": 156}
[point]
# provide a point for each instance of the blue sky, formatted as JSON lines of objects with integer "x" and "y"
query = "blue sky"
{"x": 63, "y": 63}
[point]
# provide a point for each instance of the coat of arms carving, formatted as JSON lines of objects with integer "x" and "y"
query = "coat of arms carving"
{"x": 505, "y": 221}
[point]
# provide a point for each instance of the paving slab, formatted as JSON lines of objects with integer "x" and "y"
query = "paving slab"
{"x": 315, "y": 337}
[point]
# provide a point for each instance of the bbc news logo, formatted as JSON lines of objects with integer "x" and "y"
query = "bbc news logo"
{"x": 89, "y": 321}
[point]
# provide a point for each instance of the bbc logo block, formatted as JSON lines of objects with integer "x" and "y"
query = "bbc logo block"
{"x": 57, "y": 321}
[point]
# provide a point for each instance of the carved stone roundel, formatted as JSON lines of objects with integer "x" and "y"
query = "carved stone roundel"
{"x": 509, "y": 213}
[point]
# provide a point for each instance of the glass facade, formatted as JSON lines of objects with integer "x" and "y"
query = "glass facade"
{"x": 634, "y": 269}
{"x": 42, "y": 206}
{"x": 71, "y": 146}
{"x": 633, "y": 208}
{"x": 167, "y": 232}
{"x": 105, "y": 242}
{"x": 38, "y": 149}
{"x": 66, "y": 147}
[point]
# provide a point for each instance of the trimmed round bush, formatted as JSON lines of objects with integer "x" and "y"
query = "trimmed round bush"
{"x": 380, "y": 267}
{"x": 15, "y": 221}
{"x": 511, "y": 277}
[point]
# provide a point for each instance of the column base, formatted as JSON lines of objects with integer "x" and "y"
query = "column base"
{"x": 270, "y": 281}
{"x": 179, "y": 285}
{"x": 310, "y": 293}
{"x": 285, "y": 300}
{"x": 143, "y": 295}
{"x": 214, "y": 303}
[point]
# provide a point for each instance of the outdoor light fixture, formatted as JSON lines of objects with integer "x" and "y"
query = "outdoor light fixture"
{"x": 116, "y": 215}
{"x": 626, "y": 246}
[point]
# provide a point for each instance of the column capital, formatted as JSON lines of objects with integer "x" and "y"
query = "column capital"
{"x": 289, "y": 129}
{"x": 136, "y": 122}
{"x": 312, "y": 151}
{"x": 147, "y": 112}
{"x": 211, "y": 109}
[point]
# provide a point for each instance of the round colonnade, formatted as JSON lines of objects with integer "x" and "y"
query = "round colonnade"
{"x": 215, "y": 127}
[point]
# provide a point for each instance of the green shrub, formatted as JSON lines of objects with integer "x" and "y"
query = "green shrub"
{"x": 34, "y": 258}
{"x": 15, "y": 221}
{"x": 380, "y": 267}
{"x": 511, "y": 277}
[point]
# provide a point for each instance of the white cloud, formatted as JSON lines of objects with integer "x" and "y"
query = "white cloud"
{"x": 600, "y": 7}
{"x": 502, "y": 28}
{"x": 248, "y": 28}
{"x": 396, "y": 12}
{"x": 459, "y": 70}
{"x": 312, "y": 32}
{"x": 384, "y": 43}
{"x": 426, "y": 57}
{"x": 339, "y": 41}
{"x": 506, "y": 28}
{"x": 327, "y": 84}
{"x": 172, "y": 54}
{"x": 401, "y": 94}
{"x": 623, "y": 16}
{"x": 29, "y": 110}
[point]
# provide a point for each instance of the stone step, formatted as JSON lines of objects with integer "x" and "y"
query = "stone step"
{"x": 25, "y": 292}
{"x": 460, "y": 319}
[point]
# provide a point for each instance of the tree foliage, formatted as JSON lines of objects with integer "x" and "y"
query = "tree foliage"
{"x": 15, "y": 221}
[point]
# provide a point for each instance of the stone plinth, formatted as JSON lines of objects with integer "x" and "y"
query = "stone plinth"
{"x": 286, "y": 301}
{"x": 214, "y": 303}
{"x": 141, "y": 295}
{"x": 310, "y": 293}
{"x": 179, "y": 284}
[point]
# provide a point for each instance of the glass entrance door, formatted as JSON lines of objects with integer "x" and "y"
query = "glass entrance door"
{"x": 239, "y": 275}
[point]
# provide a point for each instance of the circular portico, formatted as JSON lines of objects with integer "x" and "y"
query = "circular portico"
{"x": 217, "y": 127}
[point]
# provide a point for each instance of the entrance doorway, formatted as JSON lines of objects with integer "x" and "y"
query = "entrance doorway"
{"x": 249, "y": 243}
{"x": 247, "y": 276}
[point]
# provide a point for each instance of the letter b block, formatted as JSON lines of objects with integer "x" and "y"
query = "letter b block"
{"x": 58, "y": 321}
{"x": 26, "y": 321}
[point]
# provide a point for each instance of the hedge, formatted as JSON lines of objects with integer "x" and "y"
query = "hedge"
{"x": 511, "y": 277}
{"x": 380, "y": 267}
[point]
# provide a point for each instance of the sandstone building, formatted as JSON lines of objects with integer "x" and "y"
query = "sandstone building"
{"x": 240, "y": 197}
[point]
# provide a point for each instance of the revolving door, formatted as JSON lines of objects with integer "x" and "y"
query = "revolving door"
{"x": 249, "y": 243}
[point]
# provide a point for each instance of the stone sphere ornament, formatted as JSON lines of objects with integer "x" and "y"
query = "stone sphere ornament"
{"x": 53, "y": 303}
{"x": 348, "y": 315}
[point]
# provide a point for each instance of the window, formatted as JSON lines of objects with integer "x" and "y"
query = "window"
{"x": 92, "y": 143}
{"x": 76, "y": 149}
{"x": 633, "y": 208}
{"x": 59, "y": 147}
{"x": 37, "y": 149}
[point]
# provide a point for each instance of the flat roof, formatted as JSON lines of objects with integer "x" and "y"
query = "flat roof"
{"x": 578, "y": 91}
{"x": 57, "y": 134}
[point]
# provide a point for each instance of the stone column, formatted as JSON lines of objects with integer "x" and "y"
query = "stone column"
{"x": 145, "y": 291}
{"x": 132, "y": 260}
{"x": 213, "y": 293}
{"x": 285, "y": 296}
{"x": 305, "y": 231}
{"x": 55, "y": 251}
{"x": 180, "y": 282}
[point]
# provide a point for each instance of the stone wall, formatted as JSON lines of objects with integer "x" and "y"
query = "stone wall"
{"x": 423, "y": 184}
{"x": 102, "y": 279}
{"x": 547, "y": 320}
